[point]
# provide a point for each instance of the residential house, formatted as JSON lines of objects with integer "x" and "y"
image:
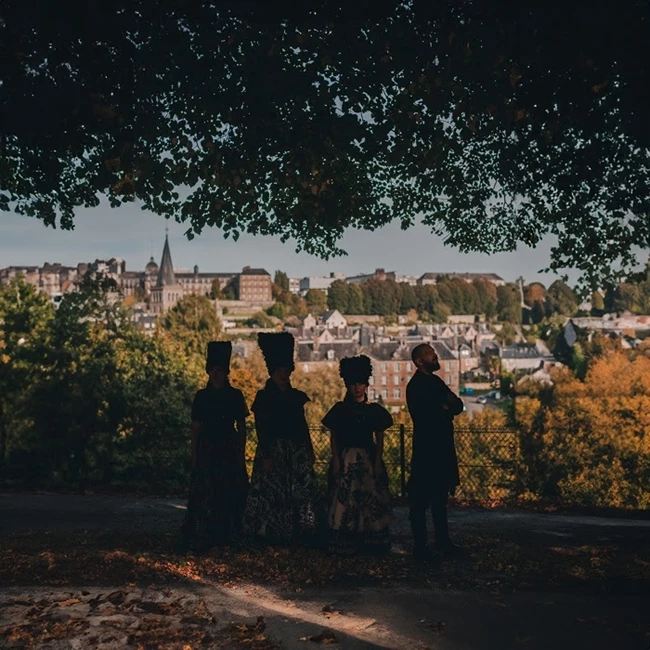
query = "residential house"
{"x": 393, "y": 369}
{"x": 323, "y": 348}
{"x": 333, "y": 319}
{"x": 522, "y": 356}
{"x": 308, "y": 323}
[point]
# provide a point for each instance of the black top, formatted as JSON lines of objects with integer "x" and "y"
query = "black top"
{"x": 355, "y": 422}
{"x": 280, "y": 415}
{"x": 434, "y": 452}
{"x": 217, "y": 409}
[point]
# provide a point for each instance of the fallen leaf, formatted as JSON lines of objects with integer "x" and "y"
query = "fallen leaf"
{"x": 68, "y": 601}
{"x": 325, "y": 637}
{"x": 116, "y": 597}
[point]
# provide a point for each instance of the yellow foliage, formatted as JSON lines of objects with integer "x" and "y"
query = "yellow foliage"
{"x": 595, "y": 436}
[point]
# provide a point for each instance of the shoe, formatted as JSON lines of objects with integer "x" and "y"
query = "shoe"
{"x": 425, "y": 554}
{"x": 449, "y": 548}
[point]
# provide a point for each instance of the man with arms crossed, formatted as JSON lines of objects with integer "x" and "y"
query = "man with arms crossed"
{"x": 434, "y": 466}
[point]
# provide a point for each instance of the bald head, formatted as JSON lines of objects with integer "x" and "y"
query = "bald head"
{"x": 425, "y": 358}
{"x": 419, "y": 351}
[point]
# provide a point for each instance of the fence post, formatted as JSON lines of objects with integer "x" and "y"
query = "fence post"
{"x": 402, "y": 460}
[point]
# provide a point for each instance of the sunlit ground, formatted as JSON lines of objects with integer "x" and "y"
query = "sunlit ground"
{"x": 108, "y": 588}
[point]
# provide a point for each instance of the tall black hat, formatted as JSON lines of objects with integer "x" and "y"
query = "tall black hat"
{"x": 355, "y": 370}
{"x": 277, "y": 350}
{"x": 219, "y": 353}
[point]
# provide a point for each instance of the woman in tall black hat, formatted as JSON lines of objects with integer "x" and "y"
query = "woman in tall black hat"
{"x": 359, "y": 514}
{"x": 283, "y": 503}
{"x": 219, "y": 483}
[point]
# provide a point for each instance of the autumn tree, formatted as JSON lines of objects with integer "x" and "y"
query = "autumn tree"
{"x": 356, "y": 300}
{"x": 281, "y": 279}
{"x": 535, "y": 298}
{"x": 25, "y": 332}
{"x": 338, "y": 296}
{"x": 316, "y": 300}
{"x": 192, "y": 322}
{"x": 590, "y": 443}
{"x": 215, "y": 291}
{"x": 229, "y": 292}
{"x": 509, "y": 303}
{"x": 561, "y": 299}
{"x": 408, "y": 298}
{"x": 324, "y": 387}
{"x": 487, "y": 297}
{"x": 278, "y": 310}
{"x": 249, "y": 374}
{"x": 260, "y": 319}
{"x": 597, "y": 304}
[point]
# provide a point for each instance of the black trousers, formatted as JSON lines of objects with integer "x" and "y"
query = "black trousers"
{"x": 434, "y": 497}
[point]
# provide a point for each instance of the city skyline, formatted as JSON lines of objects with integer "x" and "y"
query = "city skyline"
{"x": 135, "y": 235}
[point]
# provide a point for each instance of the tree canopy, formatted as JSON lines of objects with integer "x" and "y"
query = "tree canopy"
{"x": 494, "y": 123}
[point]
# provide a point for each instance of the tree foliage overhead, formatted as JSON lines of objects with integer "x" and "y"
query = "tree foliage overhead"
{"x": 493, "y": 122}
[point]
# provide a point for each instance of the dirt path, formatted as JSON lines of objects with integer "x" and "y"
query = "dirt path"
{"x": 531, "y": 581}
{"x": 40, "y": 512}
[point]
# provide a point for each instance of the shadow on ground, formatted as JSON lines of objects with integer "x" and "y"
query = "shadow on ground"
{"x": 529, "y": 580}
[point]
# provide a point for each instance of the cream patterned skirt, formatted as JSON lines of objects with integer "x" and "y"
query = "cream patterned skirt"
{"x": 360, "y": 513}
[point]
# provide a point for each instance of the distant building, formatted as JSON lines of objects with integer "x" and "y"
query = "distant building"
{"x": 323, "y": 349}
{"x": 201, "y": 284}
{"x": 308, "y": 322}
{"x": 167, "y": 290}
{"x": 523, "y": 356}
{"x": 432, "y": 278}
{"x": 254, "y": 285}
{"x": 380, "y": 275}
{"x": 393, "y": 369}
{"x": 333, "y": 319}
{"x": 407, "y": 279}
{"x": 322, "y": 282}
{"x": 294, "y": 285}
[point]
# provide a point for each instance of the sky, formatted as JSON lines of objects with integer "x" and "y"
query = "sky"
{"x": 135, "y": 235}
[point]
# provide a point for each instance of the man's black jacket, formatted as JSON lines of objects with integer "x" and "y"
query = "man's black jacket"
{"x": 434, "y": 461}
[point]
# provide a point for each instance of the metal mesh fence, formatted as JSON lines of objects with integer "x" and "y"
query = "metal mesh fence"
{"x": 487, "y": 460}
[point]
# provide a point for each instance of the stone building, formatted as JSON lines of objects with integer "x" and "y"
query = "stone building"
{"x": 324, "y": 348}
{"x": 167, "y": 290}
{"x": 202, "y": 283}
{"x": 254, "y": 285}
{"x": 380, "y": 275}
{"x": 393, "y": 369}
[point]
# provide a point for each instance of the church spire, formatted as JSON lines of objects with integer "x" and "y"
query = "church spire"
{"x": 166, "y": 275}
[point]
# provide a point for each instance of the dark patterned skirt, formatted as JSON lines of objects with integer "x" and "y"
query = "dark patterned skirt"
{"x": 217, "y": 497}
{"x": 360, "y": 513}
{"x": 284, "y": 503}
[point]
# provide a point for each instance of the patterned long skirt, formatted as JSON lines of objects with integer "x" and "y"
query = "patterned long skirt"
{"x": 215, "y": 505}
{"x": 360, "y": 513}
{"x": 284, "y": 503}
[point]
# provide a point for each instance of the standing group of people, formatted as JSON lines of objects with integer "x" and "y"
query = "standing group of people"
{"x": 283, "y": 503}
